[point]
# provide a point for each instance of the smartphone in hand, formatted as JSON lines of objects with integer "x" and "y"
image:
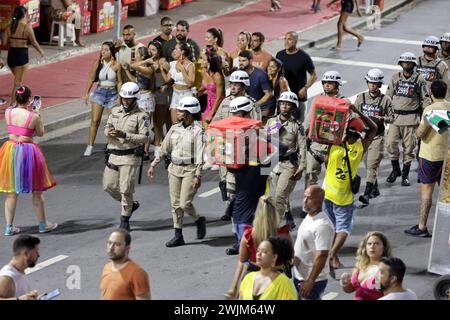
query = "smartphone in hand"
{"x": 36, "y": 104}
{"x": 50, "y": 295}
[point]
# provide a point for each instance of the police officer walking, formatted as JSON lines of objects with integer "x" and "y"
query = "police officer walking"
{"x": 184, "y": 145}
{"x": 409, "y": 95}
{"x": 292, "y": 163}
{"x": 378, "y": 107}
{"x": 430, "y": 65}
{"x": 127, "y": 131}
{"x": 238, "y": 82}
{"x": 331, "y": 81}
{"x": 444, "y": 54}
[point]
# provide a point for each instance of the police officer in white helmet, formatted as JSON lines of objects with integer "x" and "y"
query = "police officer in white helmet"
{"x": 127, "y": 131}
{"x": 444, "y": 55}
{"x": 184, "y": 145}
{"x": 429, "y": 64}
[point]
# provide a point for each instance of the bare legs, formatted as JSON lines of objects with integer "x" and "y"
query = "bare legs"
{"x": 38, "y": 205}
{"x": 426, "y": 191}
{"x": 342, "y": 27}
{"x": 96, "y": 117}
{"x": 19, "y": 74}
{"x": 338, "y": 242}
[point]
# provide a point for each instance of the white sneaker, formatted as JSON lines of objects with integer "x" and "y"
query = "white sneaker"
{"x": 89, "y": 150}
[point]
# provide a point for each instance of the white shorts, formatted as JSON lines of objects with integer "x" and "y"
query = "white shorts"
{"x": 177, "y": 95}
{"x": 146, "y": 102}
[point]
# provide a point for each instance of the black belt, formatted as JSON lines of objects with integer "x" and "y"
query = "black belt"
{"x": 112, "y": 166}
{"x": 405, "y": 112}
{"x": 121, "y": 152}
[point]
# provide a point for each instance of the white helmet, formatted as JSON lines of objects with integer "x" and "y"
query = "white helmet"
{"x": 407, "y": 57}
{"x": 241, "y": 103}
{"x": 332, "y": 76}
{"x": 431, "y": 41}
{"x": 445, "y": 37}
{"x": 289, "y": 96}
{"x": 189, "y": 104}
{"x": 374, "y": 75}
{"x": 240, "y": 77}
{"x": 129, "y": 90}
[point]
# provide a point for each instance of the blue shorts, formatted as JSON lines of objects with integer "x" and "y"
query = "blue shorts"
{"x": 341, "y": 216}
{"x": 315, "y": 293}
{"x": 429, "y": 171}
{"x": 104, "y": 97}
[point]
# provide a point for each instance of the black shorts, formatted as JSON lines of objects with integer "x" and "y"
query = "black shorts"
{"x": 17, "y": 57}
{"x": 429, "y": 171}
{"x": 347, "y": 6}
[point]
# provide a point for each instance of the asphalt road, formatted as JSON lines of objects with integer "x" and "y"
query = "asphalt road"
{"x": 201, "y": 270}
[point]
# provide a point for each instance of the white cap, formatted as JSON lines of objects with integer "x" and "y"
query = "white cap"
{"x": 190, "y": 104}
{"x": 129, "y": 90}
{"x": 241, "y": 104}
{"x": 374, "y": 75}
{"x": 332, "y": 76}
{"x": 241, "y": 77}
{"x": 289, "y": 96}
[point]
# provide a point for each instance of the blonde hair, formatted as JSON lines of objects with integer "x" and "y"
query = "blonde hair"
{"x": 265, "y": 223}
{"x": 362, "y": 259}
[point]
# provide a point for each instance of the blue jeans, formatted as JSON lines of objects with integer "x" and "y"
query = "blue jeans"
{"x": 315, "y": 293}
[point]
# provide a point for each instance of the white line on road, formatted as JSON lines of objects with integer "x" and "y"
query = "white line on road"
{"x": 393, "y": 40}
{"x": 330, "y": 296}
{"x": 357, "y": 63}
{"x": 209, "y": 193}
{"x": 45, "y": 263}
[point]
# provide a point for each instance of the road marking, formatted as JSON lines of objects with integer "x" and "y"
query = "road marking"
{"x": 46, "y": 263}
{"x": 357, "y": 63}
{"x": 209, "y": 193}
{"x": 393, "y": 40}
{"x": 330, "y": 296}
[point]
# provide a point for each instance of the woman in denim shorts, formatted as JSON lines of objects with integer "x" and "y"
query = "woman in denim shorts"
{"x": 106, "y": 72}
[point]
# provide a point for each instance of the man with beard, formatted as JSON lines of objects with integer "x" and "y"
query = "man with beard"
{"x": 13, "y": 281}
{"x": 127, "y": 50}
{"x": 392, "y": 271}
{"x": 261, "y": 58}
{"x": 122, "y": 278}
{"x": 166, "y": 31}
{"x": 181, "y": 35}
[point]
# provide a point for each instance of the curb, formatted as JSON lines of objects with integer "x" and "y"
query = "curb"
{"x": 356, "y": 25}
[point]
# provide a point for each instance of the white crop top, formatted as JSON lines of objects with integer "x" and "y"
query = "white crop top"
{"x": 175, "y": 75}
{"x": 107, "y": 75}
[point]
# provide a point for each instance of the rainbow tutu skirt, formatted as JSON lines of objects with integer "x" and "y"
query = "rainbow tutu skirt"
{"x": 23, "y": 168}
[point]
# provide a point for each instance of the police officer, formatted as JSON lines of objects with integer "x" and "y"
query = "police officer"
{"x": 430, "y": 65}
{"x": 331, "y": 82}
{"x": 238, "y": 82}
{"x": 127, "y": 131}
{"x": 378, "y": 107}
{"x": 184, "y": 144}
{"x": 292, "y": 163}
{"x": 408, "y": 92}
{"x": 444, "y": 54}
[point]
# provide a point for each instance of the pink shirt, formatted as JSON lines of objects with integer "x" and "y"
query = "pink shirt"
{"x": 367, "y": 290}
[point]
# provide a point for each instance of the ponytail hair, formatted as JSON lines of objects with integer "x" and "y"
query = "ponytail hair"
{"x": 218, "y": 34}
{"x": 18, "y": 14}
{"x": 23, "y": 94}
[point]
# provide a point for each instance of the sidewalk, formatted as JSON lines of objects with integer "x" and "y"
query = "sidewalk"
{"x": 65, "y": 70}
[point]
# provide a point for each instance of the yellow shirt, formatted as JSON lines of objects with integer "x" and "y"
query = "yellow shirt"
{"x": 281, "y": 288}
{"x": 434, "y": 145}
{"x": 337, "y": 184}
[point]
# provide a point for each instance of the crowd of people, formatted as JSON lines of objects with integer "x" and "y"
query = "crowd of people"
{"x": 168, "y": 92}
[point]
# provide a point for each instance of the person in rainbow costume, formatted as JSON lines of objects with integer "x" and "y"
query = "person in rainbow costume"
{"x": 23, "y": 168}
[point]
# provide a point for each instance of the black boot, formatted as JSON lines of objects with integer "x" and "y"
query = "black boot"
{"x": 405, "y": 174}
{"x": 366, "y": 196}
{"x": 228, "y": 210}
{"x": 135, "y": 206}
{"x": 289, "y": 219}
{"x": 395, "y": 172}
{"x": 177, "y": 240}
{"x": 375, "y": 191}
{"x": 234, "y": 250}
{"x": 125, "y": 223}
{"x": 201, "y": 227}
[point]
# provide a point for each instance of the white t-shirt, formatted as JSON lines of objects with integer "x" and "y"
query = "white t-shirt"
{"x": 314, "y": 234}
{"x": 125, "y": 53}
{"x": 405, "y": 295}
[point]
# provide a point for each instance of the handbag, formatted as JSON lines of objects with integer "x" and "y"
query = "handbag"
{"x": 354, "y": 183}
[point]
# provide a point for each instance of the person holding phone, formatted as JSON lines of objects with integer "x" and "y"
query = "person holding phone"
{"x": 23, "y": 168}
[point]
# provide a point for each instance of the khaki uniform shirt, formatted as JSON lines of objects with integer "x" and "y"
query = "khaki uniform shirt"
{"x": 224, "y": 109}
{"x": 185, "y": 146}
{"x": 292, "y": 134}
{"x": 135, "y": 124}
{"x": 408, "y": 94}
{"x": 378, "y": 106}
{"x": 446, "y": 59}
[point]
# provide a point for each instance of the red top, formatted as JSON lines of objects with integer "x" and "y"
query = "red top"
{"x": 284, "y": 230}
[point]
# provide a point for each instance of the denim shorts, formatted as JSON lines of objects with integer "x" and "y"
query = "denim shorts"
{"x": 316, "y": 291}
{"x": 341, "y": 216}
{"x": 105, "y": 97}
{"x": 146, "y": 102}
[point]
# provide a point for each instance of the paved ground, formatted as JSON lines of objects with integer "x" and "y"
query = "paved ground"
{"x": 87, "y": 215}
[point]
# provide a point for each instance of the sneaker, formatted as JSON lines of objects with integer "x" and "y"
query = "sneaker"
{"x": 11, "y": 230}
{"x": 47, "y": 228}
{"x": 234, "y": 250}
{"x": 416, "y": 232}
{"x": 88, "y": 151}
{"x": 2, "y": 101}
